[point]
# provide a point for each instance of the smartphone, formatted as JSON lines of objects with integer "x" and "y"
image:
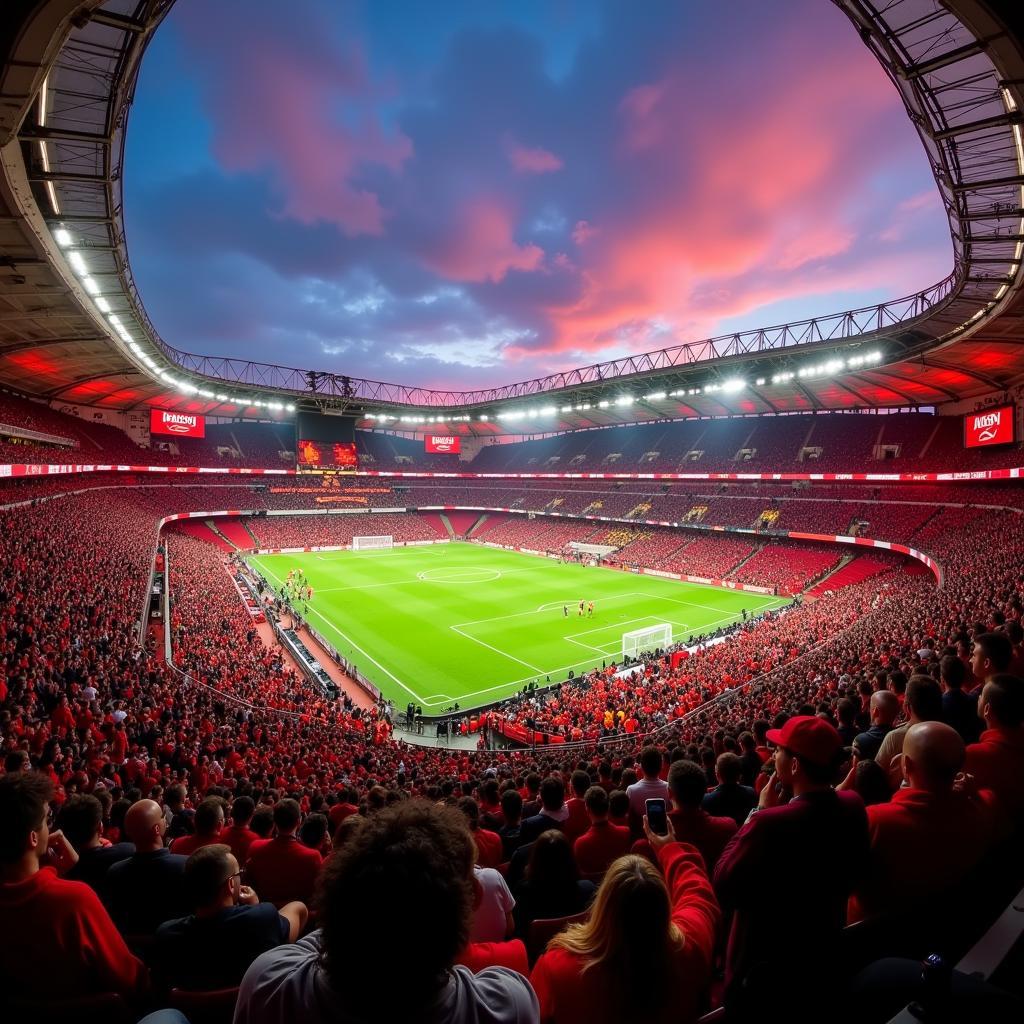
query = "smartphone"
{"x": 657, "y": 816}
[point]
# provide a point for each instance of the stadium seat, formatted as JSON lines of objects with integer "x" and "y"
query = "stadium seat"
{"x": 97, "y": 1008}
{"x": 214, "y": 1007}
{"x": 544, "y": 929}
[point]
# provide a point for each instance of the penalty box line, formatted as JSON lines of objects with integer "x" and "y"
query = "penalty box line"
{"x": 615, "y": 642}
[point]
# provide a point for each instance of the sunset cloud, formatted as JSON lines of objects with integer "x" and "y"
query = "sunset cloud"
{"x": 352, "y": 191}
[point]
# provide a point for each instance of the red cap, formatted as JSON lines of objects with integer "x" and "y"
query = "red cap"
{"x": 808, "y": 737}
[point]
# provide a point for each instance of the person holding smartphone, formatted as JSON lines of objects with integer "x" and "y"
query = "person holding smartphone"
{"x": 645, "y": 952}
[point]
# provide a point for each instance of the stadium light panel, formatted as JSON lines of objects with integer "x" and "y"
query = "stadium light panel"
{"x": 221, "y": 398}
{"x": 565, "y": 408}
{"x": 484, "y": 417}
{"x": 90, "y": 286}
{"x": 77, "y": 263}
{"x": 102, "y": 305}
{"x": 656, "y": 396}
{"x": 624, "y": 400}
{"x": 734, "y": 384}
{"x": 759, "y": 382}
{"x": 548, "y": 410}
{"x": 62, "y": 237}
{"x": 290, "y": 408}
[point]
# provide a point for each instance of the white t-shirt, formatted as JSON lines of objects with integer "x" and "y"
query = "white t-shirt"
{"x": 496, "y": 902}
{"x": 640, "y": 792}
{"x": 287, "y": 984}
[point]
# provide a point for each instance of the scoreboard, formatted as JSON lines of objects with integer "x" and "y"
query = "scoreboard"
{"x": 325, "y": 443}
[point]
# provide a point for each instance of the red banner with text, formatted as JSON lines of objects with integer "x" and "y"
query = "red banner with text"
{"x": 177, "y": 424}
{"x": 993, "y": 426}
{"x": 441, "y": 444}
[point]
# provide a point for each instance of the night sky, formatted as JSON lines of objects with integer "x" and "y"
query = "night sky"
{"x": 471, "y": 193}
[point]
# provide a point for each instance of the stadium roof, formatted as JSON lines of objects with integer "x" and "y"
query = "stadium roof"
{"x": 73, "y": 328}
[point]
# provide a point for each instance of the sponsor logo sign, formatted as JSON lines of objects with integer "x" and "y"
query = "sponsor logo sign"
{"x": 441, "y": 444}
{"x": 992, "y": 426}
{"x": 179, "y": 424}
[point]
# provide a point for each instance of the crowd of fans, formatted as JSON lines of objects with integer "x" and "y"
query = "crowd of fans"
{"x": 174, "y": 826}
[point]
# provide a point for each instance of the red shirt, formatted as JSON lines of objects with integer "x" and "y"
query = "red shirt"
{"x": 56, "y": 937}
{"x": 488, "y": 846}
{"x": 238, "y": 838}
{"x": 339, "y": 812}
{"x": 921, "y": 842}
{"x": 570, "y": 996}
{"x": 578, "y": 821}
{"x": 282, "y": 870}
{"x": 511, "y": 954}
{"x": 601, "y": 844}
{"x": 709, "y": 834}
{"x": 187, "y": 845}
{"x": 997, "y": 762}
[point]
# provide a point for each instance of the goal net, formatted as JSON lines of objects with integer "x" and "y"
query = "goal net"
{"x": 636, "y": 641}
{"x": 372, "y": 543}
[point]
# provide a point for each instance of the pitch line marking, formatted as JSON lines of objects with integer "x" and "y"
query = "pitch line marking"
{"x": 352, "y": 643}
{"x": 504, "y": 654}
{"x": 427, "y": 702}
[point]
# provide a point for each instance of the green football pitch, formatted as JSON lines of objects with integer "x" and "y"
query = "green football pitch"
{"x": 467, "y": 623}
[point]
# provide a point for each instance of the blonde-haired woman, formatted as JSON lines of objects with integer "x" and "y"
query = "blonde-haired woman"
{"x": 645, "y": 952}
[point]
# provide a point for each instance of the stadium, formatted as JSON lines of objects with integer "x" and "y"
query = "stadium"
{"x": 563, "y": 559}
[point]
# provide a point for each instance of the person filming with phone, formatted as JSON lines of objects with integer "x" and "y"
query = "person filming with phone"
{"x": 787, "y": 874}
{"x": 645, "y": 952}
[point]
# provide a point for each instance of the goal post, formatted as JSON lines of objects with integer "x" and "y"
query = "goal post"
{"x": 651, "y": 638}
{"x": 372, "y": 543}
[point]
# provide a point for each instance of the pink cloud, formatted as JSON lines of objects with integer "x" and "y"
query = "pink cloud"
{"x": 531, "y": 159}
{"x": 758, "y": 217}
{"x": 644, "y": 121}
{"x": 479, "y": 246}
{"x": 583, "y": 232}
{"x": 303, "y": 109}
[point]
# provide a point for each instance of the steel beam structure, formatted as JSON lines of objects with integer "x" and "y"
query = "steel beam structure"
{"x": 962, "y": 97}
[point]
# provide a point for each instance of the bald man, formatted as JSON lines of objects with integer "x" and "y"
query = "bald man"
{"x": 885, "y": 709}
{"x": 148, "y": 888}
{"x": 928, "y": 836}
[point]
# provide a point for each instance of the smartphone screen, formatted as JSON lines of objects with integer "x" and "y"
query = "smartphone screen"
{"x": 657, "y": 816}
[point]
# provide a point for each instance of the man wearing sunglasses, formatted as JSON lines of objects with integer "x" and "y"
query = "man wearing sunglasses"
{"x": 228, "y": 928}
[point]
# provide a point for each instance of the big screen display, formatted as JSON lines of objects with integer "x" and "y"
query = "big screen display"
{"x": 441, "y": 443}
{"x": 325, "y": 442}
{"x": 327, "y": 455}
{"x": 990, "y": 427}
{"x": 176, "y": 424}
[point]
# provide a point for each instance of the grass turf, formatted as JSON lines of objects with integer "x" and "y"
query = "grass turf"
{"x": 462, "y": 622}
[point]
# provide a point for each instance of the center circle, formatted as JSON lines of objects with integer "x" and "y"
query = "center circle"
{"x": 466, "y": 574}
